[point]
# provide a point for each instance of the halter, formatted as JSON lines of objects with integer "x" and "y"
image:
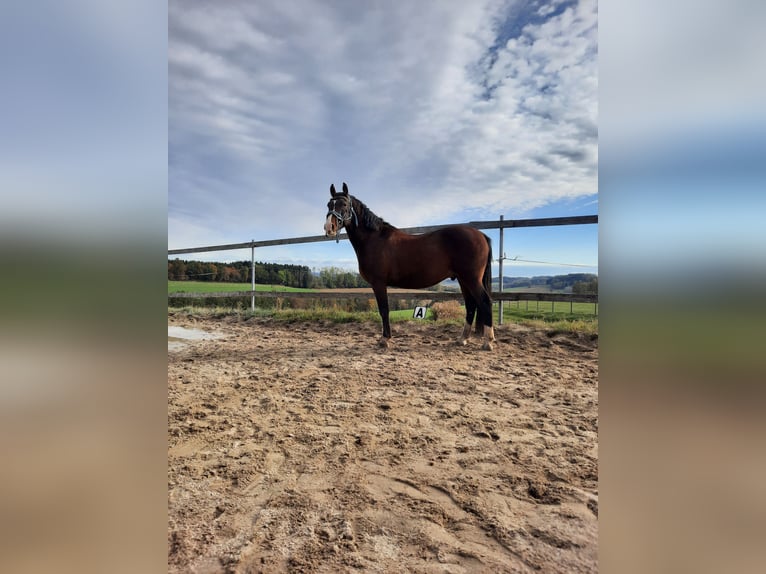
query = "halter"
{"x": 341, "y": 219}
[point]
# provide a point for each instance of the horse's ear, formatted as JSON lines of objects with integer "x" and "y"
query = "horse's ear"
{"x": 345, "y": 188}
{"x": 332, "y": 190}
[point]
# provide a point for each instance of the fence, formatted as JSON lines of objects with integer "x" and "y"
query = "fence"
{"x": 499, "y": 295}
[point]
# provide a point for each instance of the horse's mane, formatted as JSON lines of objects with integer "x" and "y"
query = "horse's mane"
{"x": 368, "y": 219}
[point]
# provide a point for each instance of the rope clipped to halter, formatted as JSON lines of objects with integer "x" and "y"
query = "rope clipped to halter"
{"x": 341, "y": 219}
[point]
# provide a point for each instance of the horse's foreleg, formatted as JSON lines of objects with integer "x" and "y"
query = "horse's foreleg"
{"x": 381, "y": 296}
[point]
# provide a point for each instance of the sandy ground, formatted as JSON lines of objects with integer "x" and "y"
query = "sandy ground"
{"x": 306, "y": 448}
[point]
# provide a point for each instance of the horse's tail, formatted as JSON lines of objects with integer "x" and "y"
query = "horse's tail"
{"x": 487, "y": 280}
{"x": 487, "y": 284}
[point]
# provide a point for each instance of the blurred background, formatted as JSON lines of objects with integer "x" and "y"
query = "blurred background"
{"x": 682, "y": 168}
{"x": 83, "y": 235}
{"x": 83, "y": 178}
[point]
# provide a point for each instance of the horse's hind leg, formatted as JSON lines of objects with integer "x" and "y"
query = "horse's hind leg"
{"x": 470, "y": 312}
{"x": 481, "y": 304}
{"x": 485, "y": 316}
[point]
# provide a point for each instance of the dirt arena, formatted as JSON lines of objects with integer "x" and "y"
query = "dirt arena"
{"x": 306, "y": 448}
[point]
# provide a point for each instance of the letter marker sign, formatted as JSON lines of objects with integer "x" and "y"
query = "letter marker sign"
{"x": 420, "y": 313}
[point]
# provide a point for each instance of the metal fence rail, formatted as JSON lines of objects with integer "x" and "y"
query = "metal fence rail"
{"x": 497, "y": 224}
{"x": 425, "y": 295}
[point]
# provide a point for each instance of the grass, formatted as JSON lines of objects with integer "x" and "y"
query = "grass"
{"x": 557, "y": 307}
{"x": 554, "y": 326}
{"x": 581, "y": 319}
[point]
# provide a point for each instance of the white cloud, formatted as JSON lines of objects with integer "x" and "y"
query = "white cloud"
{"x": 427, "y": 110}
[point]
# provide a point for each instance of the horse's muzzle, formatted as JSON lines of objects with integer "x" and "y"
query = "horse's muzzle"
{"x": 330, "y": 226}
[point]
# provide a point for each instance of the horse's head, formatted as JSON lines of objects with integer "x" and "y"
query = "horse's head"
{"x": 339, "y": 211}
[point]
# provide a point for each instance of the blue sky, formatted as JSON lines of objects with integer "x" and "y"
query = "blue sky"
{"x": 432, "y": 112}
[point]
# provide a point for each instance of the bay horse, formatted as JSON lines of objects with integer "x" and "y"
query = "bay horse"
{"x": 389, "y": 257}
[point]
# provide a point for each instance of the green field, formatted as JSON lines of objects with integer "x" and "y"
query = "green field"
{"x": 557, "y": 307}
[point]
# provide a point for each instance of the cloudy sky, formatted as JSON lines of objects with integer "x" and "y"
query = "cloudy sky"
{"x": 432, "y": 112}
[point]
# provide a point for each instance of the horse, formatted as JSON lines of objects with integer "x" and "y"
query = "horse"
{"x": 390, "y": 257}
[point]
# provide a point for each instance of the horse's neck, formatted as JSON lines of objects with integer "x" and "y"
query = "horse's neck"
{"x": 359, "y": 233}
{"x": 363, "y": 238}
{"x": 358, "y": 236}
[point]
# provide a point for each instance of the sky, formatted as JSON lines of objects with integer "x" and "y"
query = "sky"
{"x": 432, "y": 112}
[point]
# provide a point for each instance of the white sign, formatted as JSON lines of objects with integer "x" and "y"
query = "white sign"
{"x": 420, "y": 313}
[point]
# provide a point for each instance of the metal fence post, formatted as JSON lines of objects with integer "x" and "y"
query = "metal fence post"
{"x": 500, "y": 273}
{"x": 252, "y": 272}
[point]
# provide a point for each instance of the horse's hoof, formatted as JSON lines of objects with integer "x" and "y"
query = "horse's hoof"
{"x": 383, "y": 343}
{"x": 487, "y": 346}
{"x": 462, "y": 342}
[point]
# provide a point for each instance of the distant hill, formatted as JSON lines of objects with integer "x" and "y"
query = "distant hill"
{"x": 560, "y": 283}
{"x": 553, "y": 283}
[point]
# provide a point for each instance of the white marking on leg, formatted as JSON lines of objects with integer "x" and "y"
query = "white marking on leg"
{"x": 464, "y": 336}
{"x": 489, "y": 336}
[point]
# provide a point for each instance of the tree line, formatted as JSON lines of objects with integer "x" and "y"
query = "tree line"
{"x": 577, "y": 282}
{"x": 265, "y": 274}
{"x": 583, "y": 287}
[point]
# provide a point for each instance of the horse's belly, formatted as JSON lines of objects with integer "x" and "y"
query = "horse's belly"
{"x": 416, "y": 282}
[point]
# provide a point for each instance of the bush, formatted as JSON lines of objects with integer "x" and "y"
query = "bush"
{"x": 447, "y": 310}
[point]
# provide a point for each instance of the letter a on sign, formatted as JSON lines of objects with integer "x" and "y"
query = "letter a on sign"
{"x": 420, "y": 313}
